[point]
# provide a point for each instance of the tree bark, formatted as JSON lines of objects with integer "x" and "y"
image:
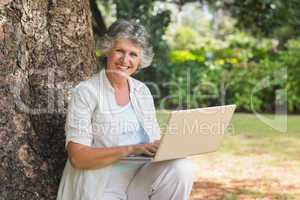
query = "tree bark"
{"x": 46, "y": 47}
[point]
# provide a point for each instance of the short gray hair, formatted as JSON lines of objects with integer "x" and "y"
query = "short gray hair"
{"x": 122, "y": 29}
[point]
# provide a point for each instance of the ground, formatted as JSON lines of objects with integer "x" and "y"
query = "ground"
{"x": 256, "y": 177}
{"x": 255, "y": 161}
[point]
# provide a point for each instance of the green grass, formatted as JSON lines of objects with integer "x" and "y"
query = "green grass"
{"x": 252, "y": 136}
{"x": 248, "y": 135}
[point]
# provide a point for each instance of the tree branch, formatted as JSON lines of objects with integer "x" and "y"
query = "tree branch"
{"x": 99, "y": 26}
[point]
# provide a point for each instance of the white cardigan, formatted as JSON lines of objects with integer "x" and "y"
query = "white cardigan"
{"x": 90, "y": 121}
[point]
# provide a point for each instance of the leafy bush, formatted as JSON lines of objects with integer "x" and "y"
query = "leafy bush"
{"x": 249, "y": 72}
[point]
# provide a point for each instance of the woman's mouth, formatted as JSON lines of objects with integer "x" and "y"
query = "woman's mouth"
{"x": 123, "y": 68}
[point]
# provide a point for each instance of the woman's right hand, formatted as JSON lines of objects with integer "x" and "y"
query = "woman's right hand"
{"x": 147, "y": 149}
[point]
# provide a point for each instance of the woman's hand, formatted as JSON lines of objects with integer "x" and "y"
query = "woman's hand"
{"x": 147, "y": 149}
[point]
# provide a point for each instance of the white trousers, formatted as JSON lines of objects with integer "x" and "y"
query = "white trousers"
{"x": 167, "y": 180}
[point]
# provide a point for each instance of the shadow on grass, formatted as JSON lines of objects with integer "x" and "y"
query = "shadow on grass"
{"x": 244, "y": 190}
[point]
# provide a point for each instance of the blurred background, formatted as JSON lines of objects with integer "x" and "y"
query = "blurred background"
{"x": 211, "y": 53}
{"x": 217, "y": 52}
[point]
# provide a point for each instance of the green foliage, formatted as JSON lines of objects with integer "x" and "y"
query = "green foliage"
{"x": 185, "y": 38}
{"x": 243, "y": 70}
{"x": 277, "y": 18}
{"x": 209, "y": 61}
{"x": 291, "y": 59}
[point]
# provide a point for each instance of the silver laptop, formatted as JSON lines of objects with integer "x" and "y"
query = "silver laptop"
{"x": 191, "y": 132}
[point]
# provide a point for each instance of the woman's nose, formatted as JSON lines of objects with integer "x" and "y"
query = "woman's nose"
{"x": 125, "y": 59}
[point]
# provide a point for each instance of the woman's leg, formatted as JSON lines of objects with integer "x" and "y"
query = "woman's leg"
{"x": 167, "y": 180}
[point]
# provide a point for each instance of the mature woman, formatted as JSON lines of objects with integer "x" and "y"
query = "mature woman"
{"x": 111, "y": 116}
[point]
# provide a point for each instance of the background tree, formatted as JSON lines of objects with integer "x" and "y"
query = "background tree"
{"x": 45, "y": 48}
{"x": 219, "y": 40}
{"x": 277, "y": 18}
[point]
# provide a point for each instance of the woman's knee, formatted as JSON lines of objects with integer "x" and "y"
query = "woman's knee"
{"x": 184, "y": 170}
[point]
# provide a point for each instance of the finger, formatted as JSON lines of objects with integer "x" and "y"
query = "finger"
{"x": 156, "y": 145}
{"x": 147, "y": 152}
{"x": 139, "y": 149}
{"x": 157, "y": 142}
{"x": 152, "y": 148}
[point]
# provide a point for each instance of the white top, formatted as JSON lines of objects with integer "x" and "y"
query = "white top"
{"x": 131, "y": 130}
{"x": 133, "y": 133}
{"x": 91, "y": 117}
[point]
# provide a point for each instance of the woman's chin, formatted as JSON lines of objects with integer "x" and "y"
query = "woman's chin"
{"x": 126, "y": 72}
{"x": 121, "y": 71}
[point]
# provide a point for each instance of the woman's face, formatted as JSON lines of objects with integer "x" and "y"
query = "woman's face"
{"x": 124, "y": 57}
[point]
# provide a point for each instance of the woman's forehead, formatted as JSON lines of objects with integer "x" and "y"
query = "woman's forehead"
{"x": 126, "y": 43}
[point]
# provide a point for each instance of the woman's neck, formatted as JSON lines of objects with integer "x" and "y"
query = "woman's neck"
{"x": 117, "y": 81}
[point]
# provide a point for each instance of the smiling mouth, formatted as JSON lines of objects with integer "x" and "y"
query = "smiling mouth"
{"x": 124, "y": 68}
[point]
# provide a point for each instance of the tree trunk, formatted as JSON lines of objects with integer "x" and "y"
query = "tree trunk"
{"x": 46, "y": 47}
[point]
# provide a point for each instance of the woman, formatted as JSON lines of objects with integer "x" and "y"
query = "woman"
{"x": 111, "y": 116}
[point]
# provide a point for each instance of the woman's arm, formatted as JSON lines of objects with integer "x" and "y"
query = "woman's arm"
{"x": 86, "y": 157}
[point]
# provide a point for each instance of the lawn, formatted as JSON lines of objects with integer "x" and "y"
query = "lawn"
{"x": 254, "y": 162}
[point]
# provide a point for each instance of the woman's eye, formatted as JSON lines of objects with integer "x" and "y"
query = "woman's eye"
{"x": 133, "y": 54}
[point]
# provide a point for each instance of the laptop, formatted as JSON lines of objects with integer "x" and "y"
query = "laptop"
{"x": 191, "y": 132}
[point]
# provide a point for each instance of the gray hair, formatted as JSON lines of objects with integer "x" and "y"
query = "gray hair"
{"x": 122, "y": 29}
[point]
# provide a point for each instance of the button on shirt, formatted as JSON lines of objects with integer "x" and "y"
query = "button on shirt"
{"x": 91, "y": 117}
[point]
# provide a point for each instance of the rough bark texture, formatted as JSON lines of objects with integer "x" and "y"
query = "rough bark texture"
{"x": 46, "y": 47}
